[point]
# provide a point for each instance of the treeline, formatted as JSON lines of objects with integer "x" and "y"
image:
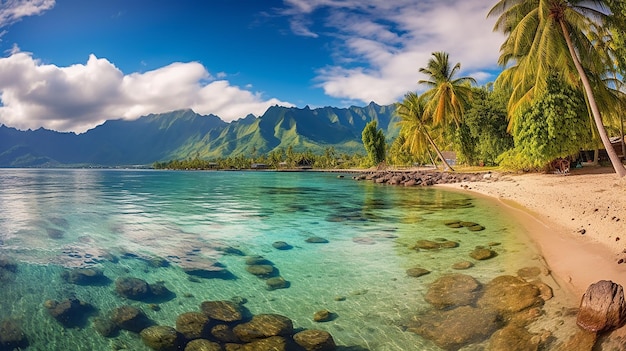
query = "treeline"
{"x": 276, "y": 159}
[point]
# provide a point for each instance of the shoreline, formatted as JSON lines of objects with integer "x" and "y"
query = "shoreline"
{"x": 574, "y": 220}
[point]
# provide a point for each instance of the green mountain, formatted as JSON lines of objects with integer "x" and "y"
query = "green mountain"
{"x": 183, "y": 134}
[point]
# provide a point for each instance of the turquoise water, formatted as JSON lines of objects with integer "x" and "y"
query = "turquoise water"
{"x": 119, "y": 220}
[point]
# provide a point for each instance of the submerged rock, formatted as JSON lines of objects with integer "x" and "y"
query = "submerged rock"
{"x": 461, "y": 265}
{"x": 513, "y": 338}
{"x": 69, "y": 312}
{"x": 130, "y": 318}
{"x": 132, "y": 288}
{"x": 276, "y": 283}
{"x": 161, "y": 338}
{"x": 224, "y": 333}
{"x": 481, "y": 253}
{"x": 453, "y": 329}
{"x": 85, "y": 276}
{"x": 264, "y": 326}
{"x": 203, "y": 345}
{"x": 281, "y": 245}
{"x": 315, "y": 340}
{"x": 104, "y": 326}
{"x": 453, "y": 290}
{"x": 323, "y": 316}
{"x": 417, "y": 272}
{"x": 508, "y": 294}
{"x": 316, "y": 240}
{"x": 11, "y": 336}
{"x": 225, "y": 311}
{"x": 260, "y": 270}
{"x": 602, "y": 307}
{"x": 192, "y": 325}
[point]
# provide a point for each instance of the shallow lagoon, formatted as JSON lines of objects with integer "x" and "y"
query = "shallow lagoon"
{"x": 121, "y": 220}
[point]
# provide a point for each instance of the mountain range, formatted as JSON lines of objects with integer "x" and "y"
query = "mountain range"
{"x": 183, "y": 134}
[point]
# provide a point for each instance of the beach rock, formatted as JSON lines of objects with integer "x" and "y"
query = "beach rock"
{"x": 476, "y": 228}
{"x": 455, "y": 328}
{"x": 161, "y": 338}
{"x": 281, "y": 245}
{"x": 316, "y": 240}
{"x": 481, "y": 253}
{"x": 513, "y": 338}
{"x": 529, "y": 273}
{"x": 453, "y": 290}
{"x": 132, "y": 288}
{"x": 508, "y": 294}
{"x": 322, "y": 316}
{"x": 224, "y": 333}
{"x": 130, "y": 318}
{"x": 583, "y": 340}
{"x": 260, "y": 270}
{"x": 192, "y": 325}
{"x": 202, "y": 345}
{"x": 11, "y": 336}
{"x": 69, "y": 312}
{"x": 264, "y": 326}
{"x": 545, "y": 291}
{"x": 602, "y": 307}
{"x": 104, "y": 326}
{"x": 276, "y": 283}
{"x": 225, "y": 311}
{"x": 417, "y": 272}
{"x": 426, "y": 245}
{"x": 461, "y": 265}
{"x": 84, "y": 276}
{"x": 257, "y": 260}
{"x": 315, "y": 340}
{"x": 467, "y": 224}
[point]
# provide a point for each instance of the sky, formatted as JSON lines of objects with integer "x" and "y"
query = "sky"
{"x": 70, "y": 65}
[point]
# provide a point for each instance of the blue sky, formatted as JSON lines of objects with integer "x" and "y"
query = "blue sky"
{"x": 69, "y": 65}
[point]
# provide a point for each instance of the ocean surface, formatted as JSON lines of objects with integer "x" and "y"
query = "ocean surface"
{"x": 193, "y": 231}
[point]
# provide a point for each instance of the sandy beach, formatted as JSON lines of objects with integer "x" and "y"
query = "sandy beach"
{"x": 578, "y": 221}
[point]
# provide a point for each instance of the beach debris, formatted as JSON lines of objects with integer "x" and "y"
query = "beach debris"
{"x": 223, "y": 310}
{"x": 12, "y": 336}
{"x": 602, "y": 307}
{"x": 417, "y": 272}
{"x": 264, "y": 326}
{"x": 193, "y": 325}
{"x": 161, "y": 338}
{"x": 70, "y": 312}
{"x": 130, "y": 318}
{"x": 315, "y": 340}
{"x": 323, "y": 316}
{"x": 316, "y": 240}
{"x": 281, "y": 245}
{"x": 482, "y": 253}
{"x": 453, "y": 290}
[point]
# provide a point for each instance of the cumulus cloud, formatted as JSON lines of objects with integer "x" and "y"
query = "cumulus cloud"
{"x": 12, "y": 11}
{"x": 381, "y": 44}
{"x": 79, "y": 97}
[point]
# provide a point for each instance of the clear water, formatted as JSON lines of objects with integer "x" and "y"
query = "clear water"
{"x": 54, "y": 219}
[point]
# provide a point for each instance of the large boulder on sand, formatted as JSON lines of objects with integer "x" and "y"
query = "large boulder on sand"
{"x": 263, "y": 326}
{"x": 161, "y": 338}
{"x": 452, "y": 290}
{"x": 602, "y": 307}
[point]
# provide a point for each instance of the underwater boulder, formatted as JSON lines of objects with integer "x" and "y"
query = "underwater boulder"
{"x": 316, "y": 240}
{"x": 481, "y": 254}
{"x": 462, "y": 265}
{"x": 257, "y": 260}
{"x": 132, "y": 288}
{"x": 224, "y": 333}
{"x": 11, "y": 336}
{"x": 275, "y": 283}
{"x": 315, "y": 340}
{"x": 281, "y": 245}
{"x": 323, "y": 316}
{"x": 161, "y": 338}
{"x": 85, "y": 276}
{"x": 417, "y": 272}
{"x": 104, "y": 326}
{"x": 515, "y": 338}
{"x": 508, "y": 294}
{"x": 130, "y": 318}
{"x": 453, "y": 290}
{"x": 260, "y": 270}
{"x": 456, "y": 328}
{"x": 70, "y": 312}
{"x": 264, "y": 326}
{"x": 192, "y": 325}
{"x": 202, "y": 345}
{"x": 225, "y": 311}
{"x": 273, "y": 343}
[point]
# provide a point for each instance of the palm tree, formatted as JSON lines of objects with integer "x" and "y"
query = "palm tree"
{"x": 412, "y": 115}
{"x": 447, "y": 96}
{"x": 546, "y": 35}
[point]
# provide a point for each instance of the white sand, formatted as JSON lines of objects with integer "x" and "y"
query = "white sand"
{"x": 578, "y": 221}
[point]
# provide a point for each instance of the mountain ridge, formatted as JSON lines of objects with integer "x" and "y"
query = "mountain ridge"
{"x": 184, "y": 133}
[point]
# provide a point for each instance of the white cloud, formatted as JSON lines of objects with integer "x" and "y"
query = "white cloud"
{"x": 381, "y": 44}
{"x": 12, "y": 11}
{"x": 81, "y": 96}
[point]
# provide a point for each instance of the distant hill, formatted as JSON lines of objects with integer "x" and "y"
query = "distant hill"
{"x": 183, "y": 134}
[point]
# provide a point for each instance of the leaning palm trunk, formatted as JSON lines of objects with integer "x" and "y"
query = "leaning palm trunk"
{"x": 615, "y": 161}
{"x": 439, "y": 154}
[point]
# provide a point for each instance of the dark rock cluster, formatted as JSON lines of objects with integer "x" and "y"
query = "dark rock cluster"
{"x": 422, "y": 178}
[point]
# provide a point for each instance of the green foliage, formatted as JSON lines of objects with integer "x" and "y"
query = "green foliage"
{"x": 555, "y": 125}
{"x": 374, "y": 143}
{"x": 486, "y": 121}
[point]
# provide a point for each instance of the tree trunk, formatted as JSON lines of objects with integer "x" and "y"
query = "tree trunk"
{"x": 615, "y": 160}
{"x": 439, "y": 154}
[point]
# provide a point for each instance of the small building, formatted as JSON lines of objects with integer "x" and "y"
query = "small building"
{"x": 259, "y": 166}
